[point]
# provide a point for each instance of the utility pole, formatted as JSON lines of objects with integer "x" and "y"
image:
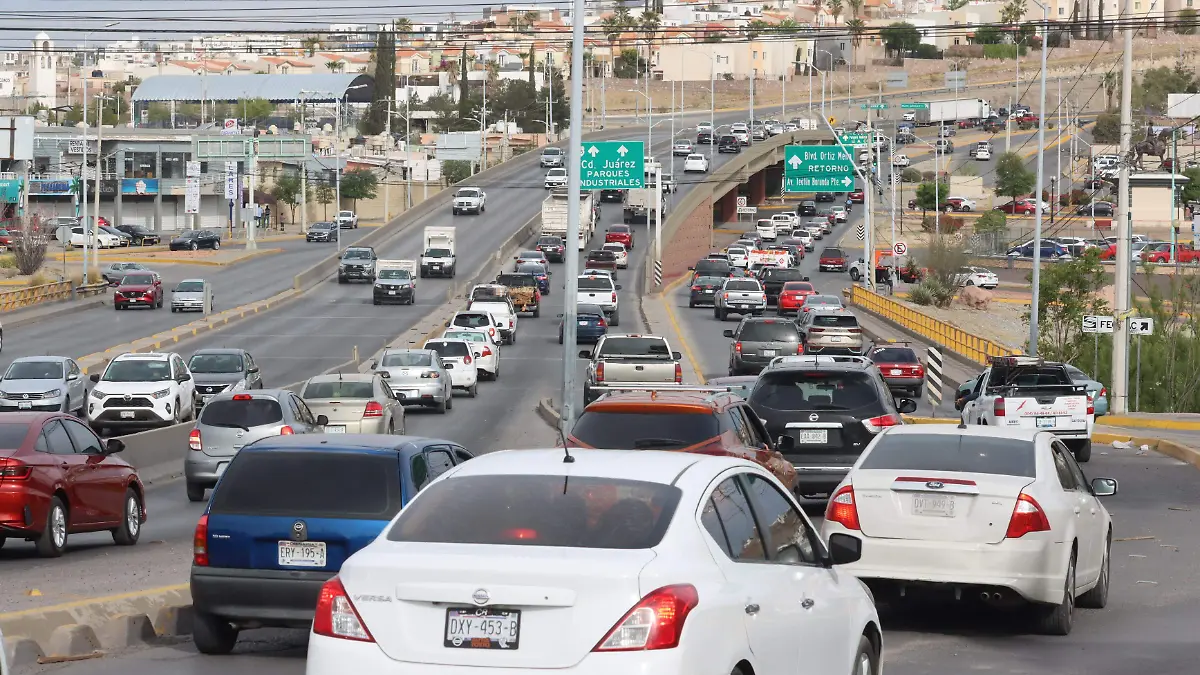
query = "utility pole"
{"x": 1124, "y": 225}
{"x": 303, "y": 165}
{"x": 83, "y": 189}
{"x": 337, "y": 167}
{"x": 387, "y": 163}
{"x": 603, "y": 102}
{"x": 1035, "y": 280}
{"x": 753, "y": 75}
{"x": 96, "y": 228}
{"x": 868, "y": 188}
{"x": 574, "y": 184}
{"x": 252, "y": 232}
{"x": 483, "y": 127}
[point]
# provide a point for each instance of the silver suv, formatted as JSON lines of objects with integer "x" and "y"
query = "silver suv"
{"x": 552, "y": 157}
{"x": 232, "y": 420}
{"x": 417, "y": 377}
{"x": 830, "y": 331}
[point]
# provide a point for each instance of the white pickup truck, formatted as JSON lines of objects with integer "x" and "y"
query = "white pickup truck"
{"x": 600, "y": 289}
{"x": 469, "y": 200}
{"x": 629, "y": 361}
{"x": 740, "y": 296}
{"x": 1024, "y": 392}
{"x": 346, "y": 220}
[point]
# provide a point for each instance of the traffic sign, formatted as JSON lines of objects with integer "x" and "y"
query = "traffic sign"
{"x": 747, "y": 210}
{"x": 1099, "y": 324}
{"x": 612, "y": 165}
{"x": 914, "y": 106}
{"x": 813, "y": 167}
{"x": 860, "y": 232}
{"x": 874, "y": 106}
{"x": 742, "y": 201}
{"x": 858, "y": 140}
{"x": 1141, "y": 326}
{"x": 832, "y": 120}
{"x": 900, "y": 248}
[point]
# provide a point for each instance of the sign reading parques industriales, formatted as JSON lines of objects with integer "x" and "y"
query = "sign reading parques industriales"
{"x": 612, "y": 165}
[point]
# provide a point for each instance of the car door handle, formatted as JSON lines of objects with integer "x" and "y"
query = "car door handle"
{"x": 63, "y": 465}
{"x": 1076, "y": 510}
{"x": 807, "y": 603}
{"x": 752, "y": 608}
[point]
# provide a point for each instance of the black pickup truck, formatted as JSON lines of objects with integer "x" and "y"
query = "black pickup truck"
{"x": 773, "y": 279}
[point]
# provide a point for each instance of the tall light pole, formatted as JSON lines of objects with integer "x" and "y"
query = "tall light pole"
{"x": 574, "y": 184}
{"x": 83, "y": 171}
{"x": 712, "y": 94}
{"x": 649, "y": 121}
{"x": 1123, "y": 226}
{"x": 1035, "y": 280}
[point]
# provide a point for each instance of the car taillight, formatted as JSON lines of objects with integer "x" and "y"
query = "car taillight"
{"x": 375, "y": 408}
{"x": 486, "y": 352}
{"x": 1091, "y": 409}
{"x": 602, "y": 323}
{"x": 726, "y": 296}
{"x": 242, "y": 397}
{"x": 853, "y": 331}
{"x": 428, "y": 376}
{"x": 878, "y": 424}
{"x": 998, "y": 407}
{"x": 842, "y": 509}
{"x": 737, "y": 347}
{"x": 11, "y": 470}
{"x": 656, "y": 622}
{"x": 614, "y": 298}
{"x": 200, "y": 543}
{"x": 800, "y": 348}
{"x": 815, "y": 329}
{"x": 678, "y": 374}
{"x": 492, "y": 331}
{"x": 467, "y": 359}
{"x": 600, "y": 372}
{"x": 285, "y": 430}
{"x": 1103, "y": 392}
{"x": 336, "y": 616}
{"x": 695, "y": 288}
{"x": 1027, "y": 516}
{"x": 194, "y": 440}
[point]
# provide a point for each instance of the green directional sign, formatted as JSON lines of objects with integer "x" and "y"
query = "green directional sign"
{"x": 914, "y": 106}
{"x": 874, "y": 106}
{"x": 612, "y": 165}
{"x": 817, "y": 167}
{"x": 855, "y": 139}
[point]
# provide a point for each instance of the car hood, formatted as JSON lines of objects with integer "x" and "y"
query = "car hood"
{"x": 134, "y": 288}
{"x": 356, "y": 263}
{"x": 398, "y": 283}
{"x": 217, "y": 378}
{"x": 133, "y": 388}
{"x": 30, "y": 386}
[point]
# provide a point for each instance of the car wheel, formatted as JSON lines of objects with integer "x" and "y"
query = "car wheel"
{"x": 1057, "y": 619}
{"x": 1083, "y": 451}
{"x": 174, "y": 309}
{"x": 127, "y": 533}
{"x": 854, "y": 274}
{"x": 450, "y": 399}
{"x": 176, "y": 418}
{"x": 918, "y": 391}
{"x": 616, "y": 320}
{"x": 866, "y": 661}
{"x": 691, "y": 304}
{"x": 1097, "y": 598}
{"x": 53, "y": 539}
{"x": 442, "y": 408}
{"x": 195, "y": 246}
{"x": 216, "y": 245}
{"x": 966, "y": 209}
{"x": 473, "y": 390}
{"x": 195, "y": 492}
{"x": 212, "y": 634}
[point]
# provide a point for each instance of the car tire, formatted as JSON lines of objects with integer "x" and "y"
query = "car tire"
{"x": 855, "y": 275}
{"x": 195, "y": 246}
{"x": 174, "y": 309}
{"x": 127, "y": 533}
{"x": 1058, "y": 619}
{"x": 450, "y": 400}
{"x": 616, "y": 320}
{"x": 374, "y": 301}
{"x": 560, "y": 337}
{"x": 212, "y": 634}
{"x": 1083, "y": 451}
{"x": 195, "y": 492}
{"x": 442, "y": 408}
{"x": 1097, "y": 598}
{"x": 216, "y": 246}
{"x": 53, "y": 539}
{"x": 691, "y": 304}
{"x": 537, "y": 312}
{"x": 866, "y": 660}
{"x": 473, "y": 390}
{"x": 918, "y": 391}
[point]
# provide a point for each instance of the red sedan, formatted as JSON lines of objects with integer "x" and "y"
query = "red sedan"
{"x": 58, "y": 478}
{"x": 1162, "y": 254}
{"x": 792, "y": 295}
{"x": 620, "y": 233}
{"x": 139, "y": 289}
{"x": 1020, "y": 207}
{"x": 858, "y": 197}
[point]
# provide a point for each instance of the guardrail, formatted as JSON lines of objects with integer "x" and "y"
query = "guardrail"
{"x": 33, "y": 295}
{"x": 957, "y": 340}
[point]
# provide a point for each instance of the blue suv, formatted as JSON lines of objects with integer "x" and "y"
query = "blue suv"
{"x": 287, "y": 513}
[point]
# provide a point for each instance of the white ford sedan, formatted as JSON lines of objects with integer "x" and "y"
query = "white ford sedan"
{"x": 1002, "y": 515}
{"x": 598, "y": 562}
{"x": 695, "y": 163}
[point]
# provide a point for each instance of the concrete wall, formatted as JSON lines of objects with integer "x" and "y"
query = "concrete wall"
{"x": 690, "y": 242}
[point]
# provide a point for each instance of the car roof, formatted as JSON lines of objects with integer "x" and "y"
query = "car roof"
{"x": 976, "y": 430}
{"x": 363, "y": 444}
{"x": 23, "y": 359}
{"x": 665, "y": 400}
{"x": 633, "y": 465}
{"x": 143, "y": 356}
{"x": 418, "y": 350}
{"x": 257, "y": 393}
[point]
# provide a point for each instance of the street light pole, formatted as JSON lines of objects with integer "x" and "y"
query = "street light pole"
{"x": 574, "y": 184}
{"x": 1035, "y": 279}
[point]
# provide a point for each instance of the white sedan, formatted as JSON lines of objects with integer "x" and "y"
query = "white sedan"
{"x": 609, "y": 562}
{"x": 619, "y": 251}
{"x": 976, "y": 276}
{"x": 738, "y": 256}
{"x": 983, "y": 154}
{"x": 695, "y": 163}
{"x": 484, "y": 346}
{"x": 556, "y": 178}
{"x": 95, "y": 240}
{"x": 1004, "y": 514}
{"x": 458, "y": 358}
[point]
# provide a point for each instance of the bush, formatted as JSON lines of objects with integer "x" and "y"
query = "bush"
{"x": 913, "y": 175}
{"x": 928, "y": 176}
{"x": 1008, "y": 51}
{"x": 456, "y": 171}
{"x": 991, "y": 221}
{"x": 924, "y": 51}
{"x": 947, "y": 224}
{"x": 29, "y": 246}
{"x": 967, "y": 170}
{"x": 920, "y": 295}
{"x": 8, "y": 261}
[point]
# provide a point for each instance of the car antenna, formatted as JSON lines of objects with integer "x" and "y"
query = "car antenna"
{"x": 567, "y": 458}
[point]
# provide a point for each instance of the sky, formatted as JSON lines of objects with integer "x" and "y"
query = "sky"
{"x": 68, "y": 21}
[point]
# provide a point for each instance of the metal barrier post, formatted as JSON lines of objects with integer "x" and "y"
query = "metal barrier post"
{"x": 933, "y": 364}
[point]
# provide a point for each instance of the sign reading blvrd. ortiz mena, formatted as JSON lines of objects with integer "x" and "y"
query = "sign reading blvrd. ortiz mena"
{"x": 612, "y": 165}
{"x": 817, "y": 167}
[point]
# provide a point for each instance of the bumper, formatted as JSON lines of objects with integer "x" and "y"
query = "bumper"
{"x": 419, "y": 394}
{"x": 554, "y": 255}
{"x": 385, "y": 295}
{"x": 464, "y": 377}
{"x": 356, "y": 275}
{"x": 905, "y": 383}
{"x": 331, "y": 656}
{"x": 134, "y": 302}
{"x": 850, "y": 348}
{"x": 590, "y": 334}
{"x": 1032, "y": 568}
{"x": 704, "y": 298}
{"x": 744, "y": 309}
{"x": 186, "y": 305}
{"x": 832, "y": 267}
{"x": 323, "y": 237}
{"x": 202, "y": 469}
{"x": 753, "y": 362}
{"x": 160, "y": 414}
{"x": 437, "y": 270}
{"x": 467, "y": 208}
{"x": 283, "y": 598}
{"x": 819, "y": 479}
{"x": 42, "y": 404}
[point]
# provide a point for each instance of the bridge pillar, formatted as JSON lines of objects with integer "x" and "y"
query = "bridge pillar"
{"x": 728, "y": 205}
{"x": 774, "y": 175}
{"x": 758, "y": 188}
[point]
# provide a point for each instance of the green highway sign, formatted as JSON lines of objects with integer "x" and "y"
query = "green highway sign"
{"x": 612, "y": 165}
{"x": 855, "y": 139}
{"x": 817, "y": 167}
{"x": 874, "y": 106}
{"x": 914, "y": 106}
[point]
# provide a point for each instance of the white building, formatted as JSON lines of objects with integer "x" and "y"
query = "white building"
{"x": 43, "y": 72}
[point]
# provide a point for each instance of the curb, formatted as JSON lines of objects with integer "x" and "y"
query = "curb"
{"x": 61, "y": 311}
{"x": 1143, "y": 423}
{"x": 1160, "y": 445}
{"x": 545, "y": 410}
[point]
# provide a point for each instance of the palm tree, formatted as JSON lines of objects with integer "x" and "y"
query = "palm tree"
{"x": 336, "y": 66}
{"x": 835, "y": 8}
{"x": 403, "y": 27}
{"x": 858, "y": 28}
{"x": 1110, "y": 88}
{"x": 1012, "y": 12}
{"x": 531, "y": 17}
{"x": 311, "y": 44}
{"x": 649, "y": 23}
{"x": 855, "y": 7}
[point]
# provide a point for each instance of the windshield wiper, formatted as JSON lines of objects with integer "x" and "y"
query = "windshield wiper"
{"x": 643, "y": 443}
{"x": 228, "y": 425}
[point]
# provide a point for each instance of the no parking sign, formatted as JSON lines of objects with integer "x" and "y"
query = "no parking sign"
{"x": 900, "y": 248}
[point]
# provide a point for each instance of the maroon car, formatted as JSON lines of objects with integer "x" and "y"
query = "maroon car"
{"x": 139, "y": 289}
{"x": 58, "y": 478}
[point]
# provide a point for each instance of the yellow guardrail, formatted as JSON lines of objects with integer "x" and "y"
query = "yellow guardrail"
{"x": 10, "y": 300}
{"x": 941, "y": 333}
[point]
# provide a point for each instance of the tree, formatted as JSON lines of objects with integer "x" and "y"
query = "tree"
{"x": 311, "y": 43}
{"x": 1150, "y": 92}
{"x": 835, "y": 9}
{"x": 858, "y": 28}
{"x": 1067, "y": 293}
{"x": 900, "y": 37}
{"x": 159, "y": 113}
{"x": 628, "y": 64}
{"x": 1185, "y": 23}
{"x": 384, "y": 58}
{"x": 254, "y": 110}
{"x": 403, "y": 28}
{"x": 359, "y": 184}
{"x": 942, "y": 260}
{"x": 1107, "y": 128}
{"x": 855, "y": 8}
{"x": 464, "y": 87}
{"x": 988, "y": 35}
{"x": 755, "y": 28}
{"x": 648, "y": 23}
{"x": 324, "y": 195}
{"x": 1191, "y": 191}
{"x": 286, "y": 190}
{"x": 910, "y": 175}
{"x": 532, "y": 67}
{"x": 955, "y": 5}
{"x": 1013, "y": 179}
{"x": 991, "y": 221}
{"x": 1012, "y": 12}
{"x": 29, "y": 245}
{"x": 456, "y": 171}
{"x": 932, "y": 196}
{"x": 335, "y": 66}
{"x": 1110, "y": 88}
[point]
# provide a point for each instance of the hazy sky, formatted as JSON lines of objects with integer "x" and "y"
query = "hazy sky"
{"x": 67, "y": 21}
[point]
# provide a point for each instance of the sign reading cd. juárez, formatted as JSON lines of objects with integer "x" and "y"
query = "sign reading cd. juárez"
{"x": 612, "y": 165}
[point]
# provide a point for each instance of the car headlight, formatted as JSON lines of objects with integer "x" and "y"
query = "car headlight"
{"x": 53, "y": 393}
{"x": 161, "y": 394}
{"x": 98, "y": 394}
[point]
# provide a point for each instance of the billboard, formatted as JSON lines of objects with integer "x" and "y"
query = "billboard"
{"x": 139, "y": 186}
{"x": 51, "y": 186}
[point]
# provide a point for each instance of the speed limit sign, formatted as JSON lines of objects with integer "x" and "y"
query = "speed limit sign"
{"x": 900, "y": 248}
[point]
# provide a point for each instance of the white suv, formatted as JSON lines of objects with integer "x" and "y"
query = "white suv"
{"x": 142, "y": 390}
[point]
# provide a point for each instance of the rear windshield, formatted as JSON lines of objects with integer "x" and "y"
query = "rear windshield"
{"x": 835, "y": 321}
{"x": 548, "y": 510}
{"x": 644, "y": 431}
{"x": 338, "y": 389}
{"x": 256, "y": 412}
{"x": 468, "y": 335}
{"x": 769, "y": 331}
{"x": 823, "y": 300}
{"x": 516, "y": 280}
{"x": 720, "y": 266}
{"x": 550, "y": 241}
{"x": 407, "y": 359}
{"x": 13, "y": 435}
{"x": 798, "y": 286}
{"x": 472, "y": 320}
{"x": 601, "y": 254}
{"x": 619, "y": 229}
{"x": 449, "y": 349}
{"x": 742, "y": 286}
{"x": 709, "y": 281}
{"x": 622, "y": 346}
{"x": 595, "y": 284}
{"x": 781, "y": 274}
{"x": 894, "y": 355}
{"x": 953, "y": 452}
{"x": 833, "y": 253}
{"x": 310, "y": 485}
{"x": 817, "y": 390}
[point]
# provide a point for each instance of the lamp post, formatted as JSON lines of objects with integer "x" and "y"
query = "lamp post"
{"x": 1035, "y": 280}
{"x": 83, "y": 94}
{"x": 649, "y": 120}
{"x": 337, "y": 147}
{"x": 712, "y": 93}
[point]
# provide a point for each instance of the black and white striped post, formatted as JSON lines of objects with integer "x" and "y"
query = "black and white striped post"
{"x": 658, "y": 274}
{"x": 861, "y": 232}
{"x": 933, "y": 375}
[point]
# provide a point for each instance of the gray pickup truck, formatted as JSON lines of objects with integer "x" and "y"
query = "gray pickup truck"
{"x": 629, "y": 361}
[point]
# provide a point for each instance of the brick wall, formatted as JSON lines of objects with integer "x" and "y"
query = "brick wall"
{"x": 690, "y": 241}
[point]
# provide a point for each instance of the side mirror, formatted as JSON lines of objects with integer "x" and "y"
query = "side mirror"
{"x": 906, "y": 406}
{"x": 322, "y": 420}
{"x": 692, "y": 269}
{"x": 804, "y": 279}
{"x": 253, "y": 369}
{"x": 585, "y": 354}
{"x": 71, "y": 377}
{"x": 115, "y": 445}
{"x": 385, "y": 374}
{"x": 728, "y": 332}
{"x": 677, "y": 356}
{"x": 618, "y": 287}
{"x": 185, "y": 377}
{"x": 374, "y": 365}
{"x": 1104, "y": 487}
{"x": 561, "y": 315}
{"x": 94, "y": 377}
{"x": 785, "y": 444}
{"x": 844, "y": 549}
